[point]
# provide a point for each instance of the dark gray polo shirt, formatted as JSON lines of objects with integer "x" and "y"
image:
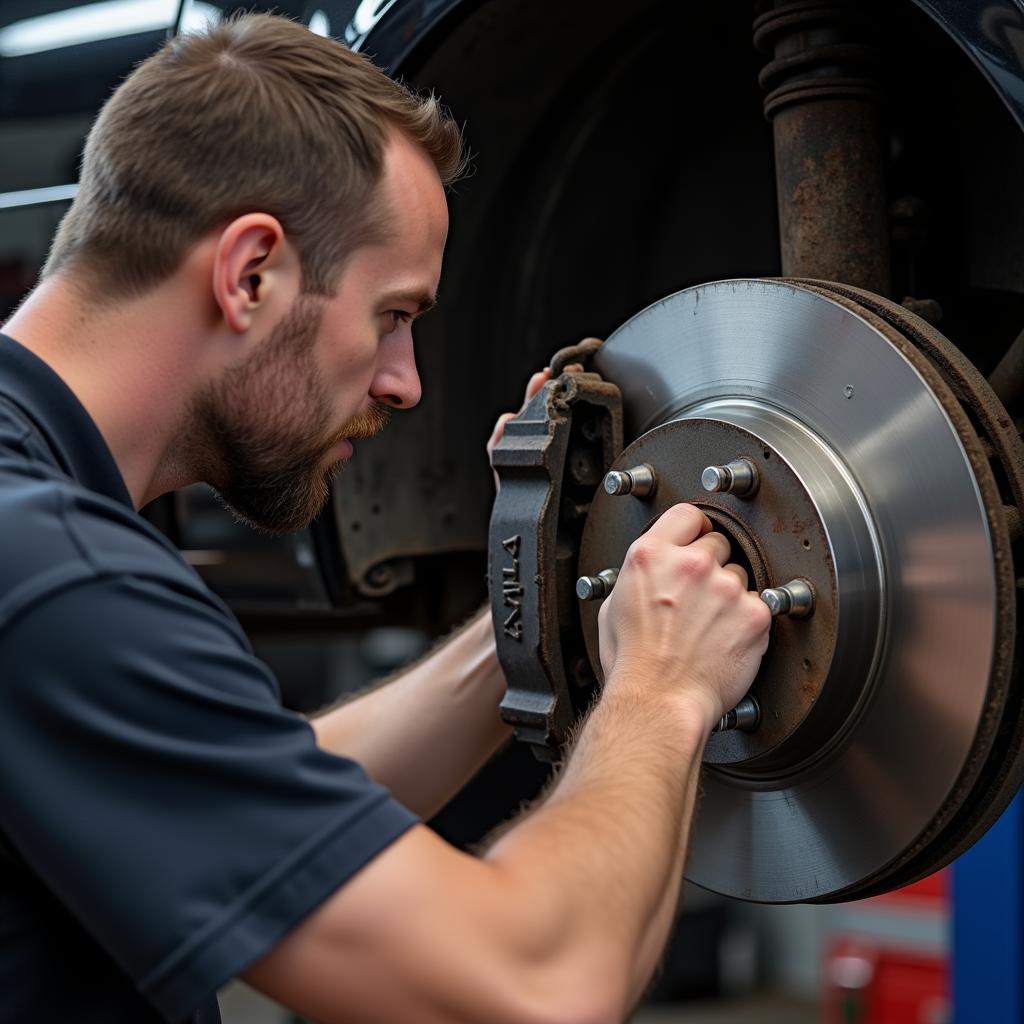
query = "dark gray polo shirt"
{"x": 163, "y": 821}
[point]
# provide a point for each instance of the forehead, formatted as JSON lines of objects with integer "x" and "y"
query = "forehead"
{"x": 405, "y": 260}
{"x": 412, "y": 194}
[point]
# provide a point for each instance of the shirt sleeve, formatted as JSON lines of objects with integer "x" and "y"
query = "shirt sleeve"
{"x": 152, "y": 780}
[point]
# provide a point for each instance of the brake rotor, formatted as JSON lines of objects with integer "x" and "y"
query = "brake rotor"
{"x": 890, "y": 733}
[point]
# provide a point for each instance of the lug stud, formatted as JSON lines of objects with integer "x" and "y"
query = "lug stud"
{"x": 593, "y": 588}
{"x": 745, "y": 717}
{"x": 795, "y": 599}
{"x": 640, "y": 481}
{"x": 738, "y": 477}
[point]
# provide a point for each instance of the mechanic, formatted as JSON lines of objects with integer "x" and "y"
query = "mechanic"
{"x": 229, "y": 299}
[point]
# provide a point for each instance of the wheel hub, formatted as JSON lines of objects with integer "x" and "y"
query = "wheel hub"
{"x": 804, "y": 521}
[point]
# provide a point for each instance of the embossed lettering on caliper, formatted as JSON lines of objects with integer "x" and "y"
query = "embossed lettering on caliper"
{"x": 512, "y": 590}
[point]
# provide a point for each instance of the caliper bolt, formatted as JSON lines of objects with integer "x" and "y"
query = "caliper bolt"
{"x": 738, "y": 477}
{"x": 795, "y": 599}
{"x": 639, "y": 481}
{"x": 593, "y": 588}
{"x": 746, "y": 717}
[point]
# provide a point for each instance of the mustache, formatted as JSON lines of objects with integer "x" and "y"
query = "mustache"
{"x": 366, "y": 424}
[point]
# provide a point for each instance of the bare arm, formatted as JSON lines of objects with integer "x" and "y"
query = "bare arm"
{"x": 565, "y": 916}
{"x": 426, "y": 732}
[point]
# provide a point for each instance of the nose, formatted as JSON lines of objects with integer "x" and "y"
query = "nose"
{"x": 397, "y": 381}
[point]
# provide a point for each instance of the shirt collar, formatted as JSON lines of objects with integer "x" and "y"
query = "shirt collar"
{"x": 60, "y": 418}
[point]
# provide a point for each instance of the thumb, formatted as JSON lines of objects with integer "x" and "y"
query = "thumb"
{"x": 499, "y": 430}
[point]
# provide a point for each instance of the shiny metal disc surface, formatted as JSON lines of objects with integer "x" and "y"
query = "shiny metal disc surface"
{"x": 818, "y": 831}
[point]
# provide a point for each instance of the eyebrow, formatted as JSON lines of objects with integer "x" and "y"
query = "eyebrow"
{"x": 422, "y": 300}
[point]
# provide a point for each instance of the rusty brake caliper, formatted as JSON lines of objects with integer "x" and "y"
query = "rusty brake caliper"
{"x": 550, "y": 461}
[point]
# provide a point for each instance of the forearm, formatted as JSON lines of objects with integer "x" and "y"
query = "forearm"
{"x": 602, "y": 857}
{"x": 562, "y": 920}
{"x": 427, "y": 731}
{"x": 564, "y": 917}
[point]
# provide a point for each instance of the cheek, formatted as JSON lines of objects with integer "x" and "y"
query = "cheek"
{"x": 350, "y": 361}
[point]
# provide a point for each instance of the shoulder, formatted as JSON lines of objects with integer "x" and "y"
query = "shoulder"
{"x": 59, "y": 535}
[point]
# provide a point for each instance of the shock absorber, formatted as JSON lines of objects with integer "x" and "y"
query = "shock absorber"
{"x": 823, "y": 99}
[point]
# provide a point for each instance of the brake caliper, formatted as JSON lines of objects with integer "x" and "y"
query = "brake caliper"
{"x": 550, "y": 461}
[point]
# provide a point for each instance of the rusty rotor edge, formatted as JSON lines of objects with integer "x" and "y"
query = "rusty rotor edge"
{"x": 990, "y": 778}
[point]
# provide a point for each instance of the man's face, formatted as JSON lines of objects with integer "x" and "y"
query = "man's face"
{"x": 281, "y": 423}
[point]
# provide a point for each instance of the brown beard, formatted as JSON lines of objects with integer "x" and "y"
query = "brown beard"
{"x": 264, "y": 429}
{"x": 364, "y": 424}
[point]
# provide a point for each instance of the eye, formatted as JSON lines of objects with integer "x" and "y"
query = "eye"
{"x": 395, "y": 318}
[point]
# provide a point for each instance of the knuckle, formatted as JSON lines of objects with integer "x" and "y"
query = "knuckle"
{"x": 640, "y": 554}
{"x": 695, "y": 562}
{"x": 760, "y": 617}
{"x": 721, "y": 542}
{"x": 741, "y": 577}
{"x": 706, "y": 526}
{"x": 499, "y": 426}
{"x": 728, "y": 586}
{"x": 685, "y": 510}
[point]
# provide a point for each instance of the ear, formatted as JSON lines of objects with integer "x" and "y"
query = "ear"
{"x": 256, "y": 273}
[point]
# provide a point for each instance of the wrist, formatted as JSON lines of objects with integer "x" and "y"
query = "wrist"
{"x": 697, "y": 713}
{"x": 687, "y": 713}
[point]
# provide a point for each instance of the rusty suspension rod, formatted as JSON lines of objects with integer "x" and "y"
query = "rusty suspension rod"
{"x": 823, "y": 101}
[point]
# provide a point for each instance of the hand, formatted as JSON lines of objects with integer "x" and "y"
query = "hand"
{"x": 536, "y": 382}
{"x": 680, "y": 622}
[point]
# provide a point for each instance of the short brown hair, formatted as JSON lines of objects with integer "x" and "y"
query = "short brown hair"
{"x": 255, "y": 114}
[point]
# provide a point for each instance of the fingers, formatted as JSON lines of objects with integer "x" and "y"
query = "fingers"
{"x": 681, "y": 524}
{"x": 739, "y": 572}
{"x": 718, "y": 544}
{"x": 533, "y": 386}
{"x": 535, "y": 383}
{"x": 540, "y": 378}
{"x": 499, "y": 429}
{"x": 721, "y": 550}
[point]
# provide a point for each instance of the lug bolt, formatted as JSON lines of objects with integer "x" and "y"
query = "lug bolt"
{"x": 639, "y": 481}
{"x": 738, "y": 477}
{"x": 795, "y": 599}
{"x": 593, "y": 588}
{"x": 746, "y": 717}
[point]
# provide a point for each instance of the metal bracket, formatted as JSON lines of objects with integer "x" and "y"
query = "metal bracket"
{"x": 550, "y": 461}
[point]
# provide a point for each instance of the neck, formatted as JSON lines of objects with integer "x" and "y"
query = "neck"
{"x": 129, "y": 364}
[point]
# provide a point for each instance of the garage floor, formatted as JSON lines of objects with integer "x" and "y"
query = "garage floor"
{"x": 240, "y": 1005}
{"x": 752, "y": 1010}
